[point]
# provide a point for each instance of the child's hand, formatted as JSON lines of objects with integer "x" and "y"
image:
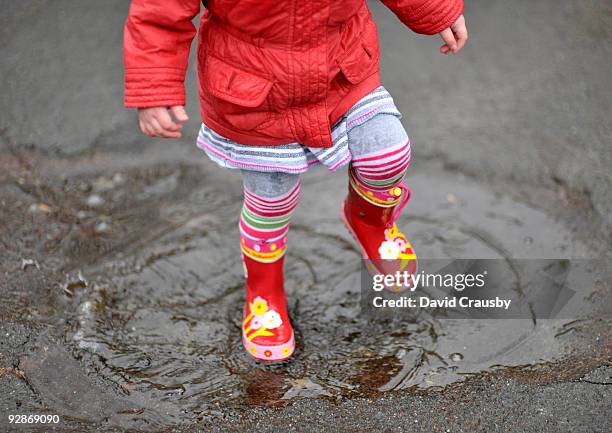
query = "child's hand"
{"x": 454, "y": 37}
{"x": 157, "y": 122}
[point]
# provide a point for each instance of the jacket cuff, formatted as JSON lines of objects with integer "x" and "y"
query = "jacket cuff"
{"x": 435, "y": 15}
{"x": 154, "y": 87}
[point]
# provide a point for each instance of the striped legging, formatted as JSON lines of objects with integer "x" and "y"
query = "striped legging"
{"x": 380, "y": 155}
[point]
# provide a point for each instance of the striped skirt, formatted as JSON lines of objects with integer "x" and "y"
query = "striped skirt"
{"x": 294, "y": 157}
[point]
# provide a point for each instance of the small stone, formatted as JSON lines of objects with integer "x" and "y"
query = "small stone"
{"x": 456, "y": 357}
{"x": 73, "y": 284}
{"x": 94, "y": 200}
{"x": 452, "y": 198}
{"x": 102, "y": 227}
{"x": 40, "y": 207}
{"x": 26, "y": 263}
{"x": 103, "y": 184}
{"x": 118, "y": 178}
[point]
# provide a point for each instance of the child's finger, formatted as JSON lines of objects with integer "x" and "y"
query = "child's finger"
{"x": 179, "y": 113}
{"x": 160, "y": 131}
{"x": 444, "y": 49}
{"x": 165, "y": 121}
{"x": 449, "y": 39}
{"x": 146, "y": 129}
{"x": 171, "y": 134}
{"x": 461, "y": 41}
{"x": 461, "y": 34}
{"x": 154, "y": 127}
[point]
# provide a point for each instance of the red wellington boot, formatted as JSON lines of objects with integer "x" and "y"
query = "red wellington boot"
{"x": 370, "y": 216}
{"x": 267, "y": 334}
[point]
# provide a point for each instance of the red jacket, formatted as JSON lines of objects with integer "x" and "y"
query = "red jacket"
{"x": 270, "y": 71}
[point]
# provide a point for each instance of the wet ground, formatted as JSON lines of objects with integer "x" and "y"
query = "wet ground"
{"x": 122, "y": 295}
{"x": 121, "y": 289}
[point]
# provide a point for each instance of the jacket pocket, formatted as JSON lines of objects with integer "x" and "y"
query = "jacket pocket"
{"x": 361, "y": 61}
{"x": 234, "y": 85}
{"x": 234, "y": 97}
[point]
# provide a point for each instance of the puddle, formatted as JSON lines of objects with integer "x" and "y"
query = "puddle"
{"x": 163, "y": 324}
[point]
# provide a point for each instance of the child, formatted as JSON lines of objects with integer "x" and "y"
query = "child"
{"x": 285, "y": 84}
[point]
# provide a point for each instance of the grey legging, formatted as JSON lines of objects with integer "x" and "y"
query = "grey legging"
{"x": 377, "y": 133}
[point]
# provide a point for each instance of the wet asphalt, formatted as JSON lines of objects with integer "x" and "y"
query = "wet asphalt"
{"x": 122, "y": 301}
{"x": 122, "y": 288}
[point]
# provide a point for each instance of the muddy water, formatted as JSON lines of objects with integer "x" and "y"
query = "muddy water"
{"x": 163, "y": 322}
